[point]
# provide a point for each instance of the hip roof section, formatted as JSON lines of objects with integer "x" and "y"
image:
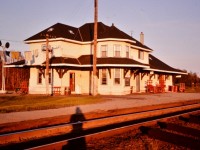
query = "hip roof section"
{"x": 85, "y": 33}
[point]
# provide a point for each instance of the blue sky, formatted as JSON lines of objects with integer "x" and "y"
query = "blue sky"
{"x": 171, "y": 28}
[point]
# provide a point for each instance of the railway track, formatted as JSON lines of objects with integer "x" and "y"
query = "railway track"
{"x": 175, "y": 133}
{"x": 81, "y": 131}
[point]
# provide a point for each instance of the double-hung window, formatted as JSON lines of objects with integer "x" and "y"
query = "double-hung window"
{"x": 127, "y": 51}
{"x": 127, "y": 79}
{"x": 117, "y": 76}
{"x": 50, "y": 78}
{"x": 103, "y": 77}
{"x": 39, "y": 77}
{"x": 140, "y": 54}
{"x": 117, "y": 49}
{"x": 104, "y": 50}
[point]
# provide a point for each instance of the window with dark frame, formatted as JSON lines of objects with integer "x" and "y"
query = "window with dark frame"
{"x": 39, "y": 77}
{"x": 127, "y": 79}
{"x": 103, "y": 50}
{"x": 117, "y": 76}
{"x": 49, "y": 77}
{"x": 140, "y": 54}
{"x": 117, "y": 49}
{"x": 127, "y": 51}
{"x": 104, "y": 77}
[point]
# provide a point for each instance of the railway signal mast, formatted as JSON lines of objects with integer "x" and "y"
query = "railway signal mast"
{"x": 3, "y": 60}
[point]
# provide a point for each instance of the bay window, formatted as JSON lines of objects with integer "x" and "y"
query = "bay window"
{"x": 103, "y": 50}
{"x": 117, "y": 49}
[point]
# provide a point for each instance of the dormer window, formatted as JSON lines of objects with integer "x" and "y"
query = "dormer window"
{"x": 104, "y": 50}
{"x": 117, "y": 50}
{"x": 71, "y": 32}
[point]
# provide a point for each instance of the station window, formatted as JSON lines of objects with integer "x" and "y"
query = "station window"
{"x": 104, "y": 50}
{"x": 104, "y": 77}
{"x": 140, "y": 54}
{"x": 127, "y": 51}
{"x": 39, "y": 77}
{"x": 117, "y": 49}
{"x": 127, "y": 79}
{"x": 117, "y": 76}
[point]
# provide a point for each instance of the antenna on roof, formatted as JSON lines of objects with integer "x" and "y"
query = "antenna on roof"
{"x": 132, "y": 33}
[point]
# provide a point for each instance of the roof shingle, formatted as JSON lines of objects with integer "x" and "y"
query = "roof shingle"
{"x": 157, "y": 64}
{"x": 85, "y": 33}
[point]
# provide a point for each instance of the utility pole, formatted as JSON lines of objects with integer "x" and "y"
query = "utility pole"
{"x": 47, "y": 35}
{"x": 95, "y": 84}
{"x": 47, "y": 64}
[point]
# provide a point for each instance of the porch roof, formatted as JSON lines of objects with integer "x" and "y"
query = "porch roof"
{"x": 87, "y": 61}
{"x": 159, "y": 66}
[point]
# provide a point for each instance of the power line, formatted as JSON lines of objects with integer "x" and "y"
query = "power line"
{"x": 12, "y": 41}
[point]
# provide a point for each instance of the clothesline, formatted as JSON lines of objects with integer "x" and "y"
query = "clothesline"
{"x": 11, "y": 56}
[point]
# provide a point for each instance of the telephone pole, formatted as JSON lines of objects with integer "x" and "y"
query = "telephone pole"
{"x": 95, "y": 84}
{"x": 47, "y": 64}
{"x": 47, "y": 36}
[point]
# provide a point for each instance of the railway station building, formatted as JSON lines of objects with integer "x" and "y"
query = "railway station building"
{"x": 124, "y": 64}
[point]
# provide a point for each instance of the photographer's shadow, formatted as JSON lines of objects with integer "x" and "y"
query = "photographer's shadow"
{"x": 80, "y": 143}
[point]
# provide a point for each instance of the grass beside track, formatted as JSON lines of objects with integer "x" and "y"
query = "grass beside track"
{"x": 15, "y": 103}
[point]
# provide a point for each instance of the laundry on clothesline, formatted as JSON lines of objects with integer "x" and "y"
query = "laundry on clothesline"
{"x": 28, "y": 55}
{"x": 15, "y": 54}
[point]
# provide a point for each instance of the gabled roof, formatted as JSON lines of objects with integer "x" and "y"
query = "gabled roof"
{"x": 104, "y": 31}
{"x": 85, "y": 33}
{"x": 159, "y": 66}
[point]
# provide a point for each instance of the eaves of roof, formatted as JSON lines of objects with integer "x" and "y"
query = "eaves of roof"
{"x": 159, "y": 66}
{"x": 87, "y": 61}
{"x": 20, "y": 63}
{"x": 85, "y": 33}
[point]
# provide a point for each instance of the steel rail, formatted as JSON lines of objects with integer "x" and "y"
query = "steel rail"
{"x": 135, "y": 119}
{"x": 59, "y": 144}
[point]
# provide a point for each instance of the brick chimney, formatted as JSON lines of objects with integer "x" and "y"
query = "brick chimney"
{"x": 142, "y": 38}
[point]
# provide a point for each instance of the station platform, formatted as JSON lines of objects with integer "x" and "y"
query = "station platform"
{"x": 113, "y": 103}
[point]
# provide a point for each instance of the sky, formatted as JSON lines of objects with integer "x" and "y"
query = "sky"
{"x": 171, "y": 27}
